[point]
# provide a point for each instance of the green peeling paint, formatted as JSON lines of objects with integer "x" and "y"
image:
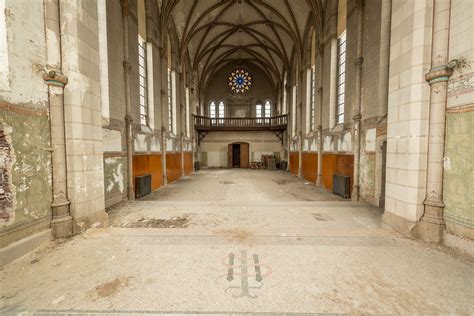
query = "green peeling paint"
{"x": 458, "y": 169}
{"x": 31, "y": 169}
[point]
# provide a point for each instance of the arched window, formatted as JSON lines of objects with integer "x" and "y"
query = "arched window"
{"x": 259, "y": 111}
{"x": 341, "y": 61}
{"x": 285, "y": 95}
{"x": 171, "y": 91}
{"x": 212, "y": 110}
{"x": 142, "y": 64}
{"x": 268, "y": 108}
{"x": 221, "y": 109}
{"x": 313, "y": 81}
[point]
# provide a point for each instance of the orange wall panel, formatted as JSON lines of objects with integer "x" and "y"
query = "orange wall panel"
{"x": 294, "y": 163}
{"x": 173, "y": 167}
{"x": 310, "y": 166}
{"x": 148, "y": 164}
{"x": 337, "y": 164}
{"x": 188, "y": 162}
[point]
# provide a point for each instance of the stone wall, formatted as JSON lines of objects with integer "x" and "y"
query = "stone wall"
{"x": 83, "y": 117}
{"x": 214, "y": 147}
{"x": 458, "y": 166}
{"x": 408, "y": 110}
{"x": 339, "y": 139}
{"x": 261, "y": 90}
{"x": 25, "y": 159}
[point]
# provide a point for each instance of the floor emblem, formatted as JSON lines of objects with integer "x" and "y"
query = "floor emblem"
{"x": 251, "y": 276}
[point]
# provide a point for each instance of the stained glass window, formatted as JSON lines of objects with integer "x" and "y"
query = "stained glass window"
{"x": 240, "y": 80}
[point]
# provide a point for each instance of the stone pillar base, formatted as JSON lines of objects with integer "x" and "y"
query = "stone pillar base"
{"x": 431, "y": 227}
{"x": 430, "y": 232}
{"x": 99, "y": 219}
{"x": 355, "y": 195}
{"x": 61, "y": 227}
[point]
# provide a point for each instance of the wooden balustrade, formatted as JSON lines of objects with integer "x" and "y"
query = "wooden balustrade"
{"x": 240, "y": 123}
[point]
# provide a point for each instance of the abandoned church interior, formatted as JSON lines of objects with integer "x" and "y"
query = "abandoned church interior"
{"x": 236, "y": 157}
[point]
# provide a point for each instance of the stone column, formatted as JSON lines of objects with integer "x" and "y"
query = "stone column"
{"x": 320, "y": 117}
{"x": 432, "y": 223}
{"x": 299, "y": 119}
{"x": 164, "y": 112}
{"x": 384, "y": 64}
{"x": 358, "y": 103}
{"x": 128, "y": 101}
{"x": 61, "y": 223}
{"x": 182, "y": 114}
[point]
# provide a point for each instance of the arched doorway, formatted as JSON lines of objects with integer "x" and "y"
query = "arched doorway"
{"x": 238, "y": 155}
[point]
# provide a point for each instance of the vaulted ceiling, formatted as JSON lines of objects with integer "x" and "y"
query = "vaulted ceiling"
{"x": 268, "y": 33}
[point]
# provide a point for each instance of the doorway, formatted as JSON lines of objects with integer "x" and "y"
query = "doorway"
{"x": 238, "y": 155}
{"x": 235, "y": 155}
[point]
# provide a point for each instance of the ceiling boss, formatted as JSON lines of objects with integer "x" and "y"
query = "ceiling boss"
{"x": 240, "y": 80}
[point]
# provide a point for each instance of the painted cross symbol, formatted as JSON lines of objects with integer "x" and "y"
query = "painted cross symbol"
{"x": 245, "y": 274}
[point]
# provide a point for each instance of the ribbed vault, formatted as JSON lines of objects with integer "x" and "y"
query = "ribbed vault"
{"x": 269, "y": 33}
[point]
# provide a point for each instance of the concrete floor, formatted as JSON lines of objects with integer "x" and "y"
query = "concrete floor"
{"x": 240, "y": 242}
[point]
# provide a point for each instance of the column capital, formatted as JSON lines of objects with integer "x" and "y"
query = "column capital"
{"x": 441, "y": 73}
{"x": 359, "y": 61}
{"x": 128, "y": 119}
{"x": 320, "y": 90}
{"x": 55, "y": 78}
{"x": 357, "y": 117}
{"x": 126, "y": 65}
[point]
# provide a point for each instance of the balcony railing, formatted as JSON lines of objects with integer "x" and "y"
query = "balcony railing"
{"x": 275, "y": 123}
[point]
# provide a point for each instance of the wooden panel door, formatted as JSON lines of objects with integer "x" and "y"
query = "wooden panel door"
{"x": 244, "y": 155}
{"x": 229, "y": 156}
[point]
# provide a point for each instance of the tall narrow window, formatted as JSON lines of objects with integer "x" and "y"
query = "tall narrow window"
{"x": 142, "y": 63}
{"x": 293, "y": 110}
{"x": 142, "y": 74}
{"x": 341, "y": 61}
{"x": 268, "y": 109}
{"x": 341, "y": 77}
{"x": 313, "y": 81}
{"x": 313, "y": 96}
{"x": 212, "y": 110}
{"x": 258, "y": 112}
{"x": 221, "y": 111}
{"x": 170, "y": 104}
{"x": 188, "y": 115}
{"x": 171, "y": 90}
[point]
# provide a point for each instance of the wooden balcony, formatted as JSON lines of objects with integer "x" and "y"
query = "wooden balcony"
{"x": 276, "y": 123}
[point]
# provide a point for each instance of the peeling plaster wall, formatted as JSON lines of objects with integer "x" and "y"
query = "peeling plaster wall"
{"x": 30, "y": 172}
{"x": 459, "y": 152}
{"x": 115, "y": 180}
{"x": 26, "y": 165}
{"x": 83, "y": 117}
{"x": 26, "y": 54}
